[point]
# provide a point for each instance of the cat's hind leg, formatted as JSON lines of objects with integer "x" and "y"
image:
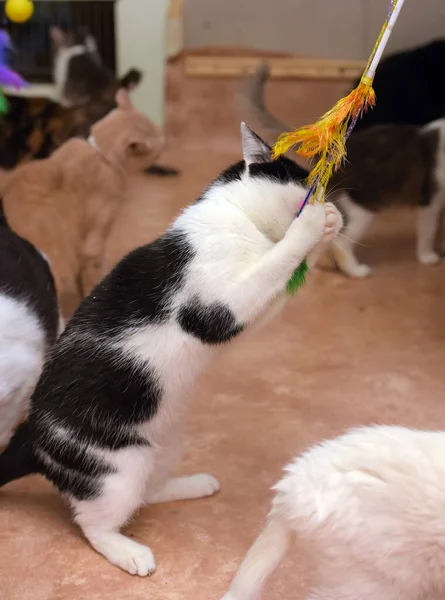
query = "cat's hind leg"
{"x": 358, "y": 221}
{"x": 427, "y": 227}
{"x": 100, "y": 517}
{"x": 185, "y": 488}
{"x": 432, "y": 196}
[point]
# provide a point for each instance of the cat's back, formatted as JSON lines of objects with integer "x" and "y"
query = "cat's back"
{"x": 374, "y": 499}
{"x": 36, "y": 179}
{"x": 384, "y": 472}
{"x": 83, "y": 171}
{"x": 52, "y": 191}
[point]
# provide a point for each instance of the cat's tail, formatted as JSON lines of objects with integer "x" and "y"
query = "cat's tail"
{"x": 254, "y": 105}
{"x": 262, "y": 559}
{"x": 3, "y": 219}
{"x": 131, "y": 79}
{"x": 18, "y": 459}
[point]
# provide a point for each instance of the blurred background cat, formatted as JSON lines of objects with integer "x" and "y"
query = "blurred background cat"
{"x": 395, "y": 155}
{"x": 66, "y": 204}
{"x": 34, "y": 128}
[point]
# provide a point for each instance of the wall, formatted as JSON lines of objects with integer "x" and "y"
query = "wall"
{"x": 141, "y": 44}
{"x": 337, "y": 28}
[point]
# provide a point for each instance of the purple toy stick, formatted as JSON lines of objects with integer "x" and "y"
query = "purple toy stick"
{"x": 7, "y": 75}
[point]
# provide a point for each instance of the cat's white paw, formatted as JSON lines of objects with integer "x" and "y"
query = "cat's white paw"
{"x": 333, "y": 222}
{"x": 312, "y": 221}
{"x": 123, "y": 552}
{"x": 428, "y": 258}
{"x": 229, "y": 596}
{"x": 202, "y": 485}
{"x": 359, "y": 271}
{"x": 135, "y": 559}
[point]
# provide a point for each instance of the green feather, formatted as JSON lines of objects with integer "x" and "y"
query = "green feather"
{"x": 4, "y": 105}
{"x": 298, "y": 279}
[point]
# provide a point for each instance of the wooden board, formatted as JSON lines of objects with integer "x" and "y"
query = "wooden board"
{"x": 283, "y": 67}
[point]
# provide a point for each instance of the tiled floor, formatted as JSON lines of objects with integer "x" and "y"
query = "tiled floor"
{"x": 343, "y": 353}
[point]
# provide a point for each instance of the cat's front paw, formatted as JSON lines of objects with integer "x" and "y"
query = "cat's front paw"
{"x": 359, "y": 271}
{"x": 333, "y": 223}
{"x": 428, "y": 258}
{"x": 311, "y": 221}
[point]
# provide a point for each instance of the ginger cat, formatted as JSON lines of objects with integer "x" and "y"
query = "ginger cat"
{"x": 66, "y": 204}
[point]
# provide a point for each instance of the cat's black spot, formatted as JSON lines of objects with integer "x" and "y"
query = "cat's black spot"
{"x": 96, "y": 393}
{"x": 212, "y": 324}
{"x": 74, "y": 483}
{"x": 139, "y": 289}
{"x": 26, "y": 276}
{"x": 282, "y": 170}
{"x": 72, "y": 467}
{"x": 73, "y": 455}
{"x": 232, "y": 173}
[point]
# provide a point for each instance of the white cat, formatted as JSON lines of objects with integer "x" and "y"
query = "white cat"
{"x": 370, "y": 508}
{"x": 107, "y": 417}
{"x": 29, "y": 323}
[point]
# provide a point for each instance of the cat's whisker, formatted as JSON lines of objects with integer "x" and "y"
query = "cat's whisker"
{"x": 352, "y": 240}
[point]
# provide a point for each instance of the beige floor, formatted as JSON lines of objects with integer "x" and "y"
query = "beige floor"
{"x": 344, "y": 353}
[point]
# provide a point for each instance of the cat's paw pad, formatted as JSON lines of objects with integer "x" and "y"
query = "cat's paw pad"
{"x": 429, "y": 258}
{"x": 203, "y": 485}
{"x": 140, "y": 562}
{"x": 333, "y": 222}
{"x": 360, "y": 272}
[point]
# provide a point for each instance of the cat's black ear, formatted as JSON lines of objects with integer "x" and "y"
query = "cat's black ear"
{"x": 254, "y": 149}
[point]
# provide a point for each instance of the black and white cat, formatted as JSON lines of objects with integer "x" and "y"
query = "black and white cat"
{"x": 107, "y": 417}
{"x": 29, "y": 321}
{"x": 78, "y": 71}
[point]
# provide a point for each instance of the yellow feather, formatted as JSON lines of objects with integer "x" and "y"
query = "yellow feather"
{"x": 326, "y": 139}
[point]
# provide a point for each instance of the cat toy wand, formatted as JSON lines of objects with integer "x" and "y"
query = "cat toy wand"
{"x": 7, "y": 76}
{"x": 326, "y": 139}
